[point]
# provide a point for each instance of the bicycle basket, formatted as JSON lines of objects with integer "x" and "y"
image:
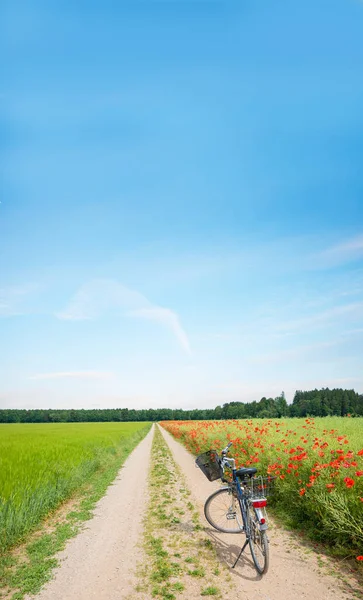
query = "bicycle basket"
{"x": 209, "y": 464}
{"x": 261, "y": 487}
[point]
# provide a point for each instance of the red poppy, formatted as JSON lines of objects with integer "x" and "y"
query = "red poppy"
{"x": 359, "y": 557}
{"x": 360, "y": 453}
{"x": 349, "y": 482}
{"x": 302, "y": 491}
{"x": 359, "y": 473}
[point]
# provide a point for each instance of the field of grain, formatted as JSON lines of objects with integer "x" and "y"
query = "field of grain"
{"x": 318, "y": 464}
{"x": 41, "y": 465}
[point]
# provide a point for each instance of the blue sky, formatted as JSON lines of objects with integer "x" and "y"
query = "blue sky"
{"x": 181, "y": 221}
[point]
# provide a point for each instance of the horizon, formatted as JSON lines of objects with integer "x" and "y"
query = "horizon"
{"x": 338, "y": 407}
{"x": 186, "y": 408}
{"x": 181, "y": 221}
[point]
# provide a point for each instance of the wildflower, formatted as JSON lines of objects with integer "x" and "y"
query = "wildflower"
{"x": 359, "y": 557}
{"x": 360, "y": 453}
{"x": 349, "y": 482}
{"x": 330, "y": 486}
{"x": 302, "y": 491}
{"x": 359, "y": 473}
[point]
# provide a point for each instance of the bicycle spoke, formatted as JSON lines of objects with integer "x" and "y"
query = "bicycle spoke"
{"x": 223, "y": 512}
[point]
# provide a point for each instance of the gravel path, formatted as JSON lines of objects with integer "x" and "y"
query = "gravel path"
{"x": 100, "y": 562}
{"x": 294, "y": 572}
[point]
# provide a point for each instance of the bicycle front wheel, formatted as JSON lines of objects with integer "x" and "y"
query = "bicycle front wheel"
{"x": 222, "y": 511}
{"x": 258, "y": 543}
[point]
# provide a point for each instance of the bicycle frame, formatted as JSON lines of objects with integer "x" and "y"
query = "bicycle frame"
{"x": 243, "y": 501}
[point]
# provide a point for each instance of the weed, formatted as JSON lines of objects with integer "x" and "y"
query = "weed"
{"x": 198, "y": 572}
{"x": 210, "y": 591}
{"x": 178, "y": 586}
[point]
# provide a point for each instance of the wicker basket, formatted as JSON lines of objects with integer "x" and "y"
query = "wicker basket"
{"x": 260, "y": 487}
{"x": 209, "y": 463}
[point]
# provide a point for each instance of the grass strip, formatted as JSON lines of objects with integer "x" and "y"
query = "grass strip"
{"x": 180, "y": 559}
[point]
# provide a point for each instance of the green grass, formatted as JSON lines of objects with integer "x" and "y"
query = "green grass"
{"x": 42, "y": 465}
{"x": 210, "y": 591}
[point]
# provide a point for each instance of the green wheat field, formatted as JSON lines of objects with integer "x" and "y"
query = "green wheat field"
{"x": 42, "y": 465}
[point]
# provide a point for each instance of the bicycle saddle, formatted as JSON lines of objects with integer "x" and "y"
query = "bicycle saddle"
{"x": 242, "y": 473}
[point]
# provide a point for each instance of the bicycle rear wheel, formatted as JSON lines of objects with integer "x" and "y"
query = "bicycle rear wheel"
{"x": 222, "y": 511}
{"x": 258, "y": 543}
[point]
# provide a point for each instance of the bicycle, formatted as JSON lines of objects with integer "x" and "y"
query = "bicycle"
{"x": 240, "y": 506}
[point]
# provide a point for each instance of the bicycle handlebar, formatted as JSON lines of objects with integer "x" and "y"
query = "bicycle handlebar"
{"x": 225, "y": 450}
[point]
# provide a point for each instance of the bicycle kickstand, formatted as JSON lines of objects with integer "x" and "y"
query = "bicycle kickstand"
{"x": 240, "y": 554}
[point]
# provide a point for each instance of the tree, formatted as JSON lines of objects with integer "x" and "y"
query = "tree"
{"x": 281, "y": 406}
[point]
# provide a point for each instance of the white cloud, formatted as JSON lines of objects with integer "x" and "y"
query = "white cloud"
{"x": 354, "y": 310}
{"x": 12, "y": 299}
{"x": 73, "y": 375}
{"x": 103, "y": 296}
{"x": 341, "y": 253}
{"x": 298, "y": 351}
{"x": 168, "y": 318}
{"x": 100, "y": 296}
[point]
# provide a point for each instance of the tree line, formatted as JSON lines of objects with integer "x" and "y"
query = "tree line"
{"x": 317, "y": 403}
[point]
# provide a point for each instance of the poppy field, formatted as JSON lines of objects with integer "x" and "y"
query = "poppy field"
{"x": 318, "y": 465}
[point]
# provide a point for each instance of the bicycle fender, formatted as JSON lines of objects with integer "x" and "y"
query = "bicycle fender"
{"x": 261, "y": 515}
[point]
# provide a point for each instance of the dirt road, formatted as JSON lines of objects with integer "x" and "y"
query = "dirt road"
{"x": 100, "y": 562}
